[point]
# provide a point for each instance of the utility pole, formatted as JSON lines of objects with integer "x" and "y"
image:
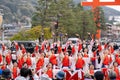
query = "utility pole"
{"x": 1, "y": 27}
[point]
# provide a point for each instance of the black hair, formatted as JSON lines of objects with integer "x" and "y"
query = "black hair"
{"x": 99, "y": 75}
{"x": 29, "y": 72}
{"x": 114, "y": 63}
{"x": 24, "y": 63}
{"x": 48, "y": 64}
{"x": 24, "y": 72}
{"x": 112, "y": 75}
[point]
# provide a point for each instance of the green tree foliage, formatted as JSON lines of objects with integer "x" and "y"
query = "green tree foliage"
{"x": 47, "y": 33}
{"x": 71, "y": 18}
{"x": 32, "y": 34}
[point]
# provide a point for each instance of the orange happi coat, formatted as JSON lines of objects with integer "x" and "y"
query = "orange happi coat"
{"x": 3, "y": 47}
{"x": 17, "y": 47}
{"x": 36, "y": 48}
{"x": 79, "y": 47}
{"x": 50, "y": 73}
{"x": 117, "y": 73}
{"x": 23, "y": 50}
{"x": 85, "y": 55}
{"x": 53, "y": 59}
{"x": 29, "y": 61}
{"x": 65, "y": 61}
{"x": 8, "y": 58}
{"x": 3, "y": 67}
{"x": 59, "y": 49}
{"x": 14, "y": 72}
{"x": 80, "y": 63}
{"x": 40, "y": 63}
{"x": 1, "y": 58}
{"x": 20, "y": 62}
{"x": 73, "y": 50}
{"x": 107, "y": 60}
{"x": 91, "y": 72}
{"x": 118, "y": 60}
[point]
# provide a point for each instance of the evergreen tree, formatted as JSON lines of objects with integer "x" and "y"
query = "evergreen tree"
{"x": 68, "y": 17}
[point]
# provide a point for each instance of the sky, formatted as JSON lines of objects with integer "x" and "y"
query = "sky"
{"x": 117, "y": 7}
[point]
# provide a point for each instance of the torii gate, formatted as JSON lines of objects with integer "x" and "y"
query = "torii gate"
{"x": 97, "y": 3}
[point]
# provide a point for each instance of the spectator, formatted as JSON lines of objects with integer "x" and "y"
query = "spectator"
{"x": 87, "y": 76}
{"x": 30, "y": 74}
{"x": 23, "y": 74}
{"x": 35, "y": 76}
{"x": 6, "y": 74}
{"x": 112, "y": 75}
{"x": 25, "y": 65}
{"x": 45, "y": 77}
{"x": 1, "y": 73}
{"x": 99, "y": 75}
{"x": 60, "y": 75}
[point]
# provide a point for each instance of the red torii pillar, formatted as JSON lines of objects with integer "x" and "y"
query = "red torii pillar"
{"x": 97, "y": 3}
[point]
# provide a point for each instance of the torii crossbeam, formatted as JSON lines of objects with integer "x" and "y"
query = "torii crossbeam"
{"x": 96, "y": 3}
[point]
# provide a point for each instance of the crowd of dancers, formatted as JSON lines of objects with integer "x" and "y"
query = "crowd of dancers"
{"x": 78, "y": 61}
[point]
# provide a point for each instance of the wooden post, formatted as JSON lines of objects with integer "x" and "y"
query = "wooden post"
{"x": 97, "y": 3}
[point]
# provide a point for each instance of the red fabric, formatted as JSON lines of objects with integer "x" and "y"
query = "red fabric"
{"x": 118, "y": 60}
{"x": 68, "y": 75}
{"x": 3, "y": 67}
{"x": 105, "y": 46}
{"x": 8, "y": 59}
{"x": 117, "y": 55}
{"x": 117, "y": 72}
{"x": 80, "y": 63}
{"x": 59, "y": 49}
{"x": 93, "y": 58}
{"x": 20, "y": 63}
{"x": 17, "y": 47}
{"x": 65, "y": 61}
{"x": 94, "y": 53}
{"x": 79, "y": 47}
{"x": 33, "y": 54}
{"x": 65, "y": 49}
{"x": 49, "y": 73}
{"x": 99, "y": 47}
{"x": 48, "y": 48}
{"x": 14, "y": 72}
{"x": 111, "y": 50}
{"x": 73, "y": 50}
{"x": 1, "y": 58}
{"x": 92, "y": 72}
{"x": 23, "y": 50}
{"x": 104, "y": 70}
{"x": 53, "y": 59}
{"x": 3, "y": 48}
{"x": 42, "y": 47}
{"x": 74, "y": 77}
{"x": 82, "y": 75}
{"x": 28, "y": 61}
{"x": 86, "y": 55}
{"x": 107, "y": 60}
{"x": 110, "y": 59}
{"x": 40, "y": 63}
{"x": 36, "y": 48}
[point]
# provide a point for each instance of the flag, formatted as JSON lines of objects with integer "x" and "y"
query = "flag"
{"x": 74, "y": 77}
{"x": 68, "y": 75}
